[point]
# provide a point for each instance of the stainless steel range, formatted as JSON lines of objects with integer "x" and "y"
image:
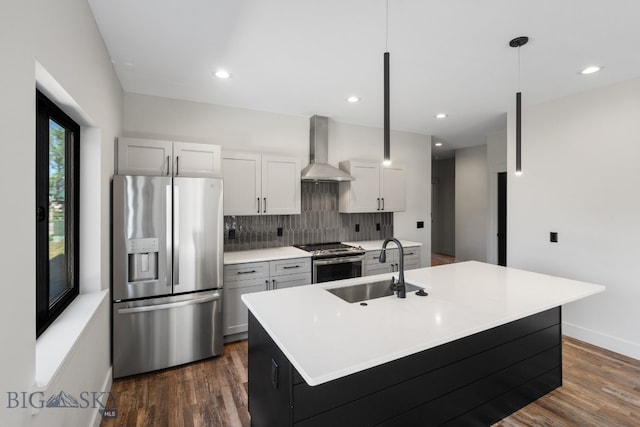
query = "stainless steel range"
{"x": 334, "y": 261}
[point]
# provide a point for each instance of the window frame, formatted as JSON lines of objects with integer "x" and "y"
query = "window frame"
{"x": 46, "y": 110}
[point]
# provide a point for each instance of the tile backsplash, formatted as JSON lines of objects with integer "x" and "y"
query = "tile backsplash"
{"x": 319, "y": 222}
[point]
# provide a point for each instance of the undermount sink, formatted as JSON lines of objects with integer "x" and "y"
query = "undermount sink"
{"x": 367, "y": 291}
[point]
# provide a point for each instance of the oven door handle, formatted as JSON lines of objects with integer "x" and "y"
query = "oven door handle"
{"x": 338, "y": 260}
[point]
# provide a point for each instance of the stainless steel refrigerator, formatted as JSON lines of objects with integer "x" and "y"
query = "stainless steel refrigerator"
{"x": 167, "y": 272}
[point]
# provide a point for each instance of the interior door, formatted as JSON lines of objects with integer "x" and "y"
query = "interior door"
{"x": 197, "y": 234}
{"x": 502, "y": 218}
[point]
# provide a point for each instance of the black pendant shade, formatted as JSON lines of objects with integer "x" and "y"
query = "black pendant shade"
{"x": 519, "y": 132}
{"x": 387, "y": 131}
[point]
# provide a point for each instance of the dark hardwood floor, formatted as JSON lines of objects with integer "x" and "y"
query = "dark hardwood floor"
{"x": 440, "y": 259}
{"x": 601, "y": 388}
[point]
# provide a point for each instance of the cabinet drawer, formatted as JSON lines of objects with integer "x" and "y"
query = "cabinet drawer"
{"x": 372, "y": 257}
{"x": 290, "y": 280}
{"x": 290, "y": 266}
{"x": 372, "y": 269}
{"x": 246, "y": 271}
{"x": 244, "y": 283}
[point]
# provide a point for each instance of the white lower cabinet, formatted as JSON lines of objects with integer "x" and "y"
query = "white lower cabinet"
{"x": 240, "y": 279}
{"x": 373, "y": 266}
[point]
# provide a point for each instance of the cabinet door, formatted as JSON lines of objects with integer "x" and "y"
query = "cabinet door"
{"x": 201, "y": 160}
{"x": 234, "y": 312}
{"x": 242, "y": 188}
{"x": 363, "y": 194}
{"x": 280, "y": 185}
{"x": 412, "y": 258}
{"x": 392, "y": 189}
{"x": 144, "y": 157}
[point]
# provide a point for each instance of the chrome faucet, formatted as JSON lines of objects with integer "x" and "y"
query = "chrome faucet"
{"x": 399, "y": 285}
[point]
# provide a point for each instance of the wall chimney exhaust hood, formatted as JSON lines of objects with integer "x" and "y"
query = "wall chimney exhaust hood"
{"x": 319, "y": 169}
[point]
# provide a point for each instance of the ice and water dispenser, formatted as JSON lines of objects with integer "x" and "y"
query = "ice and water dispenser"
{"x": 143, "y": 259}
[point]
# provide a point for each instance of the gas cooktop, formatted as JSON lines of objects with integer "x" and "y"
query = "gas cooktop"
{"x": 324, "y": 250}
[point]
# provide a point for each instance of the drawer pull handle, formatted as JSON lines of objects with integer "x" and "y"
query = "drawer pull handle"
{"x": 246, "y": 272}
{"x": 288, "y": 267}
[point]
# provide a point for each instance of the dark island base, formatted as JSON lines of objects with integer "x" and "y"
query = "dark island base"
{"x": 477, "y": 380}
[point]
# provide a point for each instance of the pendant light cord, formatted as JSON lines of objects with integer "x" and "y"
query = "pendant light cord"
{"x": 519, "y": 80}
{"x": 386, "y": 29}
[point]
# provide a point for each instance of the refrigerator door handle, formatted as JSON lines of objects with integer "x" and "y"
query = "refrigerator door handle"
{"x": 176, "y": 235}
{"x": 169, "y": 232}
{"x": 167, "y": 306}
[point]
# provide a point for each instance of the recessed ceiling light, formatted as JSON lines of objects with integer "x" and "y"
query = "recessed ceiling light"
{"x": 590, "y": 70}
{"x": 353, "y": 99}
{"x": 222, "y": 74}
{"x": 441, "y": 116}
{"x": 438, "y": 144}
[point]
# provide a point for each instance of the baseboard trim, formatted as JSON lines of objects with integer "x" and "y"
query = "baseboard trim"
{"x": 618, "y": 345}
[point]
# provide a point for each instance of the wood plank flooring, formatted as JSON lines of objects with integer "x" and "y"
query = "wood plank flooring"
{"x": 600, "y": 389}
{"x": 440, "y": 259}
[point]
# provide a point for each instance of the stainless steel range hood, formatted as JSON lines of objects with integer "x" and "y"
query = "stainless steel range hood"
{"x": 319, "y": 169}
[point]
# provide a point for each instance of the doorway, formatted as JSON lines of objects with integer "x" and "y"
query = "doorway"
{"x": 502, "y": 218}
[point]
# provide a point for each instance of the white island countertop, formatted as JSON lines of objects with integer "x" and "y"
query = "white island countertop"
{"x": 326, "y": 338}
{"x": 269, "y": 254}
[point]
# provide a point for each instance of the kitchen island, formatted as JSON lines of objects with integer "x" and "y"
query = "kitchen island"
{"x": 484, "y": 342}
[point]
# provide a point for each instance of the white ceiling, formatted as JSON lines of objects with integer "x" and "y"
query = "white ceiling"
{"x": 304, "y": 57}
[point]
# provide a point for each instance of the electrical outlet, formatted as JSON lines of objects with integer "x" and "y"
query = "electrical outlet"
{"x": 377, "y": 226}
{"x": 232, "y": 234}
{"x": 279, "y": 231}
{"x": 357, "y": 228}
{"x": 420, "y": 224}
{"x": 553, "y": 237}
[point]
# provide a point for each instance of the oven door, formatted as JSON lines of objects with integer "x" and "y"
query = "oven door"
{"x": 338, "y": 268}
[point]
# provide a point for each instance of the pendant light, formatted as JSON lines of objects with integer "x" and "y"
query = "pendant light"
{"x": 518, "y": 42}
{"x": 387, "y": 130}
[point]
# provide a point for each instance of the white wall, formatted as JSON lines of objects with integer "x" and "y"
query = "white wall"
{"x": 580, "y": 178}
{"x": 30, "y": 31}
{"x": 472, "y": 199}
{"x": 234, "y": 128}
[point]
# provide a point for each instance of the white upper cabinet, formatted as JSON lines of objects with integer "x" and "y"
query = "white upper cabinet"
{"x": 375, "y": 189}
{"x": 258, "y": 184}
{"x": 280, "y": 185}
{"x": 242, "y": 183}
{"x": 392, "y": 188}
{"x": 158, "y": 157}
{"x": 193, "y": 159}
{"x": 144, "y": 157}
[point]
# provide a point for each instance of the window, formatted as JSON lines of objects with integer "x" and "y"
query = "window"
{"x": 57, "y": 209}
